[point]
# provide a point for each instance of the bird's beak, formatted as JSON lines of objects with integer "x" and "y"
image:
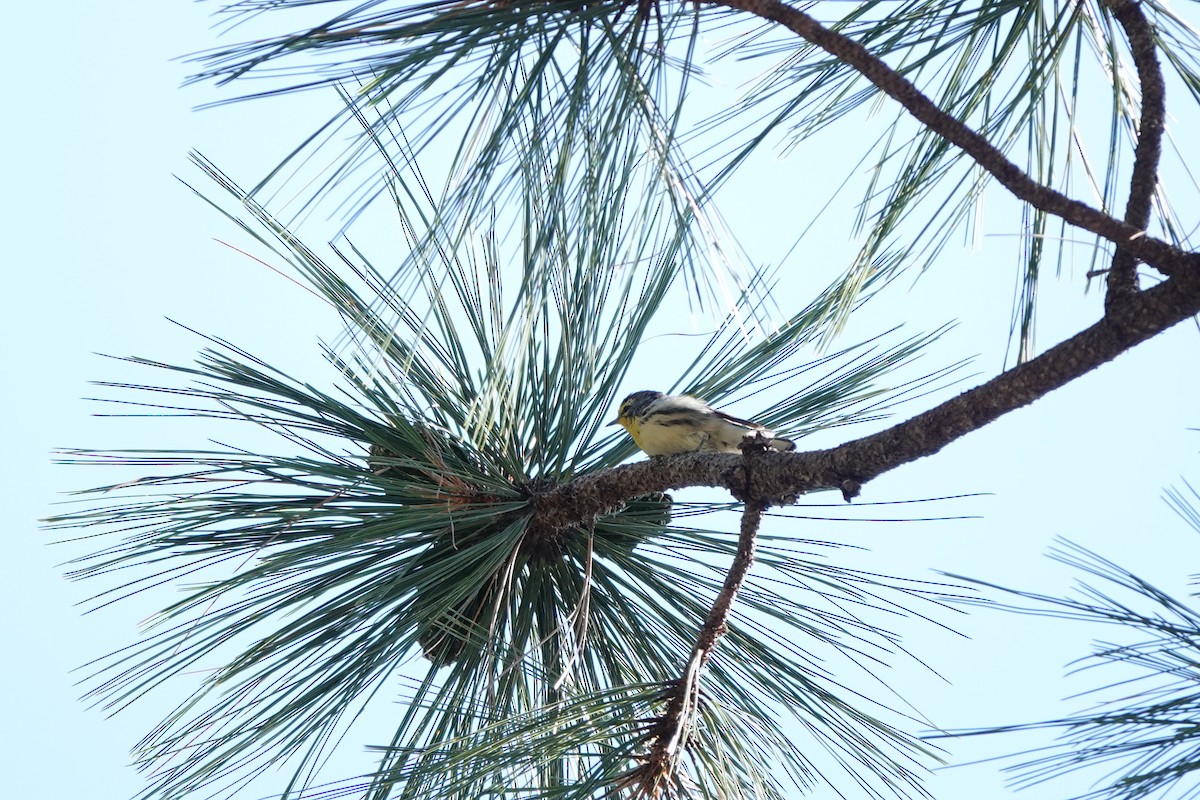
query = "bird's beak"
{"x": 614, "y": 422}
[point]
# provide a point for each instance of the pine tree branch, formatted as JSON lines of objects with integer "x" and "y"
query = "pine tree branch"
{"x": 672, "y": 730}
{"x": 1157, "y": 253}
{"x": 1122, "y": 275}
{"x": 780, "y": 477}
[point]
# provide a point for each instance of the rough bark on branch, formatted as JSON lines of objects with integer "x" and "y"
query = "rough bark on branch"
{"x": 1122, "y": 275}
{"x": 780, "y": 477}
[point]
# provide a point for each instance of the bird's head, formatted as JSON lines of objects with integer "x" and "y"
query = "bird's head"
{"x": 634, "y": 406}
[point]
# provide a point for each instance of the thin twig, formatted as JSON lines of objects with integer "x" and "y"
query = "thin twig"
{"x": 673, "y": 729}
{"x": 1122, "y": 277}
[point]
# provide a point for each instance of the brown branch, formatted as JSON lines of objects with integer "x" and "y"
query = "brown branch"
{"x": 1157, "y": 253}
{"x": 1122, "y": 275}
{"x": 672, "y": 730}
{"x": 780, "y": 477}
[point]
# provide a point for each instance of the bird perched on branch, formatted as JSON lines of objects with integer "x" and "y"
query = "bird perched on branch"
{"x": 663, "y": 425}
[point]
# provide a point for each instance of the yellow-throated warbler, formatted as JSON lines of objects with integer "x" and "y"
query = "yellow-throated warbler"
{"x": 664, "y": 425}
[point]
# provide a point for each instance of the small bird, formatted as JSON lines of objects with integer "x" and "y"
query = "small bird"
{"x": 663, "y": 425}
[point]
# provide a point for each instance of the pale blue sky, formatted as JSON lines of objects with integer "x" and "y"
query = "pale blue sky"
{"x": 103, "y": 243}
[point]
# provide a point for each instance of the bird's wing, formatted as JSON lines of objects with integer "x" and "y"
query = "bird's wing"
{"x": 745, "y": 423}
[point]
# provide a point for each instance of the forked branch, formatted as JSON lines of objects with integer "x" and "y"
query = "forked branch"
{"x": 1131, "y": 317}
{"x": 1164, "y": 257}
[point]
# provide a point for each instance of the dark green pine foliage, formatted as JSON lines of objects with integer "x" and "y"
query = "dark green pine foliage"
{"x": 393, "y": 544}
